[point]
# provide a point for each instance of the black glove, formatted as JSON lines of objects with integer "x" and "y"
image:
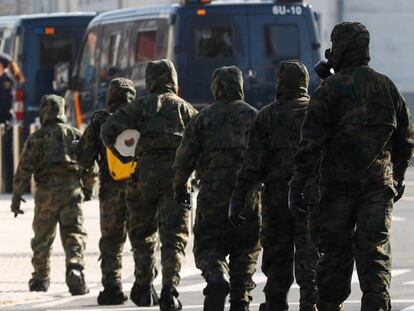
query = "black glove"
{"x": 296, "y": 202}
{"x": 182, "y": 196}
{"x": 15, "y": 205}
{"x": 235, "y": 216}
{"x": 400, "y": 187}
{"x": 87, "y": 194}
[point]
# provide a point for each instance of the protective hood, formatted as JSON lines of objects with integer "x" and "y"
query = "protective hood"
{"x": 120, "y": 91}
{"x": 161, "y": 76}
{"x": 292, "y": 80}
{"x": 52, "y": 109}
{"x": 350, "y": 45}
{"x": 227, "y": 84}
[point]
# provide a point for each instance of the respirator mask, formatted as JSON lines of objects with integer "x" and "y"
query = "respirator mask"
{"x": 324, "y": 67}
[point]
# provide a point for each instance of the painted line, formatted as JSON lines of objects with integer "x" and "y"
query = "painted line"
{"x": 407, "y": 198}
{"x": 398, "y": 219}
{"x": 201, "y": 306}
{"x": 410, "y": 308}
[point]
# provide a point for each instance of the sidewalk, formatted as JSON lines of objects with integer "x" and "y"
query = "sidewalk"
{"x": 15, "y": 256}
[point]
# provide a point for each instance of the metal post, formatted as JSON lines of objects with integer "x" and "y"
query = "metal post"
{"x": 33, "y": 128}
{"x": 16, "y": 146}
{"x": 2, "y": 146}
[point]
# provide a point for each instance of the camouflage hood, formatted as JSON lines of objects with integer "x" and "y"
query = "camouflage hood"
{"x": 120, "y": 91}
{"x": 52, "y": 109}
{"x": 292, "y": 80}
{"x": 350, "y": 45}
{"x": 161, "y": 76}
{"x": 227, "y": 84}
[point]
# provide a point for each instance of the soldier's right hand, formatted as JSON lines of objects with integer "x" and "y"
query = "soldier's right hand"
{"x": 182, "y": 196}
{"x": 15, "y": 205}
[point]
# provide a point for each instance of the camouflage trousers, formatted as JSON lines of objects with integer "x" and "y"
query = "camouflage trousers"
{"x": 57, "y": 204}
{"x": 113, "y": 217}
{"x": 353, "y": 225}
{"x": 215, "y": 239}
{"x": 151, "y": 207}
{"x": 287, "y": 250}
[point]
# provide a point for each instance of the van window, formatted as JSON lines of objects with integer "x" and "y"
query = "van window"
{"x": 55, "y": 49}
{"x": 87, "y": 61}
{"x": 214, "y": 42}
{"x": 114, "y": 42}
{"x": 282, "y": 41}
{"x": 146, "y": 46}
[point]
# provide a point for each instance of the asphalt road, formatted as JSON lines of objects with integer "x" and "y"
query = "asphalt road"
{"x": 15, "y": 266}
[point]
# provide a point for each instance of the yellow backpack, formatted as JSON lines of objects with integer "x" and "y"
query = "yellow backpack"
{"x": 118, "y": 170}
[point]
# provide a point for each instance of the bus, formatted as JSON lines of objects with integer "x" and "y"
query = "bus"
{"x": 198, "y": 36}
{"x": 45, "y": 47}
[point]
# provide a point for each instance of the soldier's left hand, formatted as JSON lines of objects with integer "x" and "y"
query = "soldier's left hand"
{"x": 400, "y": 187}
{"x": 296, "y": 203}
{"x": 235, "y": 215}
{"x": 15, "y": 205}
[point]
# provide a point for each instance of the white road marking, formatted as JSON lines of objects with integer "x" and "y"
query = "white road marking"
{"x": 201, "y": 306}
{"x": 398, "y": 219}
{"x": 261, "y": 278}
{"x": 407, "y": 198}
{"x": 410, "y": 308}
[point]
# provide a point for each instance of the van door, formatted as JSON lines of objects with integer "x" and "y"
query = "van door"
{"x": 205, "y": 43}
{"x": 276, "y": 33}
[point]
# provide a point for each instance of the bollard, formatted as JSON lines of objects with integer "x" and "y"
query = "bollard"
{"x": 33, "y": 128}
{"x": 16, "y": 146}
{"x": 2, "y": 146}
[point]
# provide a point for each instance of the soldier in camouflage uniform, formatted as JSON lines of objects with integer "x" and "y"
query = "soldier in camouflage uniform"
{"x": 269, "y": 159}
{"x": 213, "y": 145}
{"x": 358, "y": 130}
{"x": 49, "y": 154}
{"x": 160, "y": 118}
{"x": 111, "y": 194}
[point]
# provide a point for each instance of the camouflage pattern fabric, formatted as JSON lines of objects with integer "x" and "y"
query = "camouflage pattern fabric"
{"x": 113, "y": 211}
{"x": 269, "y": 158}
{"x": 213, "y": 144}
{"x": 358, "y": 129}
{"x": 49, "y": 154}
{"x": 160, "y": 117}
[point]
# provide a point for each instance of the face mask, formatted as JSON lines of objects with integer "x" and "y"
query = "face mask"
{"x": 324, "y": 67}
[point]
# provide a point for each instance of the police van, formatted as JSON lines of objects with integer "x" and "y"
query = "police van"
{"x": 198, "y": 36}
{"x": 45, "y": 46}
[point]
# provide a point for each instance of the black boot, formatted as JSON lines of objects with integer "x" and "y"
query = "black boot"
{"x": 326, "y": 306}
{"x": 144, "y": 295}
{"x": 39, "y": 285}
{"x": 112, "y": 295}
{"x": 216, "y": 292}
{"x": 75, "y": 280}
{"x": 307, "y": 307}
{"x": 169, "y": 299}
{"x": 273, "y": 306}
{"x": 239, "y": 306}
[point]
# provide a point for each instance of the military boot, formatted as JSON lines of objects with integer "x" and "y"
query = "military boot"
{"x": 36, "y": 285}
{"x": 75, "y": 279}
{"x": 112, "y": 295}
{"x": 239, "y": 306}
{"x": 326, "y": 306}
{"x": 169, "y": 299}
{"x": 307, "y": 307}
{"x": 273, "y": 306}
{"x": 144, "y": 295}
{"x": 216, "y": 292}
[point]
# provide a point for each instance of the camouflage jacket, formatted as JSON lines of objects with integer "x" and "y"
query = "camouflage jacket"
{"x": 275, "y": 134}
{"x": 216, "y": 138}
{"x": 160, "y": 117}
{"x": 49, "y": 153}
{"x": 357, "y": 126}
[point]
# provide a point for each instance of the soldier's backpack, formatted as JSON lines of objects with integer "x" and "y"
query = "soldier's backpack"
{"x": 117, "y": 169}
